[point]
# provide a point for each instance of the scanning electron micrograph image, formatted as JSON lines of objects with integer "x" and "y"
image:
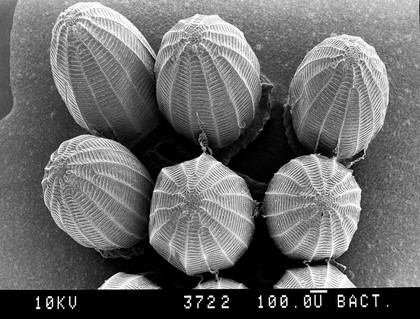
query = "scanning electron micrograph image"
{"x": 195, "y": 144}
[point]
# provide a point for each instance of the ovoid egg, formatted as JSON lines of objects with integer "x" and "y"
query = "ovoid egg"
{"x": 98, "y": 193}
{"x": 338, "y": 97}
{"x": 123, "y": 280}
{"x": 312, "y": 208}
{"x": 103, "y": 69}
{"x": 220, "y": 283}
{"x": 312, "y": 277}
{"x": 201, "y": 215}
{"x": 207, "y": 79}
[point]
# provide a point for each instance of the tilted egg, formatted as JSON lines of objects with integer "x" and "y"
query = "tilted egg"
{"x": 103, "y": 69}
{"x": 338, "y": 97}
{"x": 312, "y": 208}
{"x": 201, "y": 215}
{"x": 98, "y": 193}
{"x": 207, "y": 79}
{"x": 122, "y": 280}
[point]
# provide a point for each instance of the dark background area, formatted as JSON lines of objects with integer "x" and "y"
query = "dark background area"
{"x": 36, "y": 254}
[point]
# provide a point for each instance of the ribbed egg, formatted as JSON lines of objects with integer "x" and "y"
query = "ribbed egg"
{"x": 122, "y": 280}
{"x": 312, "y": 208}
{"x": 103, "y": 69}
{"x": 220, "y": 283}
{"x": 98, "y": 193}
{"x": 207, "y": 79}
{"x": 312, "y": 277}
{"x": 338, "y": 97}
{"x": 201, "y": 215}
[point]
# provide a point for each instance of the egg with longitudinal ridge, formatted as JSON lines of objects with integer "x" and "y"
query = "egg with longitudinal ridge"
{"x": 312, "y": 208}
{"x": 310, "y": 277}
{"x": 126, "y": 281}
{"x": 338, "y": 97}
{"x": 201, "y": 216}
{"x": 207, "y": 79}
{"x": 220, "y": 283}
{"x": 99, "y": 193}
{"x": 103, "y": 69}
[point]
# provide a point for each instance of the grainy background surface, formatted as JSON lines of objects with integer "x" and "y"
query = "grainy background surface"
{"x": 36, "y": 254}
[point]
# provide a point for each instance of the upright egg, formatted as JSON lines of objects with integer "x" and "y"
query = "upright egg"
{"x": 98, "y": 193}
{"x": 201, "y": 216}
{"x": 103, "y": 69}
{"x": 312, "y": 208}
{"x": 338, "y": 97}
{"x": 207, "y": 79}
{"x": 312, "y": 277}
{"x": 220, "y": 283}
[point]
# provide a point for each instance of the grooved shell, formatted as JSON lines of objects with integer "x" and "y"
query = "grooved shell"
{"x": 339, "y": 97}
{"x": 207, "y": 78}
{"x": 122, "y": 280}
{"x": 221, "y": 283}
{"x": 312, "y": 208}
{"x": 312, "y": 277}
{"x": 98, "y": 193}
{"x": 201, "y": 215}
{"x": 103, "y": 69}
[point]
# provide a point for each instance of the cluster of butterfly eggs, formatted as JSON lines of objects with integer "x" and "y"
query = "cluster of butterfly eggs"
{"x": 201, "y": 212}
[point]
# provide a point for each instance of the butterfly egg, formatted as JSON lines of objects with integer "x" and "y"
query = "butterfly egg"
{"x": 122, "y": 280}
{"x": 98, "y": 193}
{"x": 338, "y": 97}
{"x": 312, "y": 277}
{"x": 312, "y": 208}
{"x": 220, "y": 283}
{"x": 207, "y": 79}
{"x": 201, "y": 216}
{"x": 103, "y": 69}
